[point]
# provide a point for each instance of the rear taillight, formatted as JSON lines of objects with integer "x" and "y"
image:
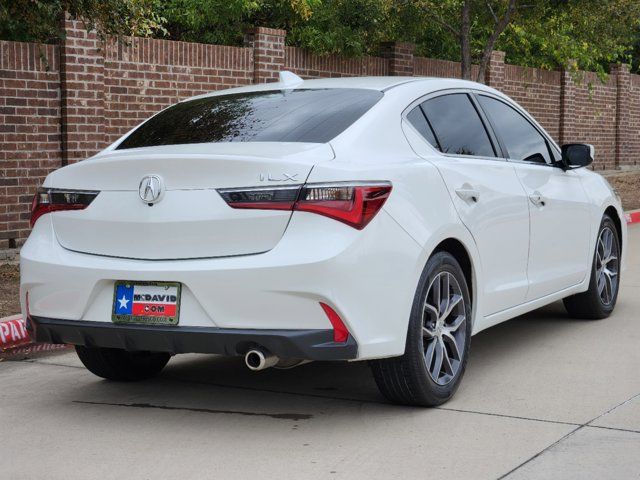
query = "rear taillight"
{"x": 48, "y": 200}
{"x": 352, "y": 203}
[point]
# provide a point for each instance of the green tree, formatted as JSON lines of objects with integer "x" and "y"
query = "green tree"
{"x": 593, "y": 33}
{"x": 543, "y": 33}
{"x": 39, "y": 20}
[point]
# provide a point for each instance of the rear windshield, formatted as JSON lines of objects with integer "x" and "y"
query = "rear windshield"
{"x": 314, "y": 116}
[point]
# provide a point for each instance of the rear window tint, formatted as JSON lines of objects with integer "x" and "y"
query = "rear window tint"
{"x": 315, "y": 116}
{"x": 419, "y": 122}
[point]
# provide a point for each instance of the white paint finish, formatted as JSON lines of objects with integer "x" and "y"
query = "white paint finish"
{"x": 369, "y": 276}
{"x": 560, "y": 251}
{"x": 284, "y": 285}
{"x": 185, "y": 224}
{"x": 496, "y": 214}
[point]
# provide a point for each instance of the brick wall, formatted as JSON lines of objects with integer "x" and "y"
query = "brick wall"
{"x": 61, "y": 104}
{"x": 633, "y": 150}
{"x": 538, "y": 91}
{"x": 309, "y": 65}
{"x": 29, "y": 131}
{"x": 142, "y": 76}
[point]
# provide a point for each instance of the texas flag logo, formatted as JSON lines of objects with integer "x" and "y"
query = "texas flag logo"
{"x": 146, "y": 300}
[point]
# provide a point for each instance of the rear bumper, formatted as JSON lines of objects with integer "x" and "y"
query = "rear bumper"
{"x": 298, "y": 344}
{"x": 368, "y": 277}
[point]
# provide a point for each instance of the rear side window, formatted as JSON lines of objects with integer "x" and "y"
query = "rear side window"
{"x": 315, "y": 116}
{"x": 458, "y": 126}
{"x": 419, "y": 122}
{"x": 522, "y": 140}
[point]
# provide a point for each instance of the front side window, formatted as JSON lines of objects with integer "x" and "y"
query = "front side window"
{"x": 522, "y": 140}
{"x": 458, "y": 126}
{"x": 311, "y": 115}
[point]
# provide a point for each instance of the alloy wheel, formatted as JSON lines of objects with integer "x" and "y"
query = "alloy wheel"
{"x": 443, "y": 328}
{"x": 607, "y": 266}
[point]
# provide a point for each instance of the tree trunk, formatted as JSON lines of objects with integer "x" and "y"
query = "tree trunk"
{"x": 465, "y": 41}
{"x": 500, "y": 26}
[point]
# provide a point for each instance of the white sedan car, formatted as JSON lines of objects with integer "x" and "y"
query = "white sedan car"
{"x": 385, "y": 218}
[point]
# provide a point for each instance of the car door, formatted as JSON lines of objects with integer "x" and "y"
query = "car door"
{"x": 485, "y": 191}
{"x": 558, "y": 204}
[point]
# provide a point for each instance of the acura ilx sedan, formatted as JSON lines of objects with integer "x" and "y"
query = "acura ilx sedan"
{"x": 386, "y": 219}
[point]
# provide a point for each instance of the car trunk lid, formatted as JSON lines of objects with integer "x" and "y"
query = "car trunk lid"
{"x": 189, "y": 219}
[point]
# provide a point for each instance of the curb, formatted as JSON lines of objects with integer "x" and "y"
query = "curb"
{"x": 14, "y": 338}
{"x": 632, "y": 216}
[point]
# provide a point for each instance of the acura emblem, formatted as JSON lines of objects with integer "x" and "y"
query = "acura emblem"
{"x": 150, "y": 189}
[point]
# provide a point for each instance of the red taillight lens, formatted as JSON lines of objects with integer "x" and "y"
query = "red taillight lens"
{"x": 48, "y": 200}
{"x": 340, "y": 332}
{"x": 352, "y": 203}
{"x": 355, "y": 205}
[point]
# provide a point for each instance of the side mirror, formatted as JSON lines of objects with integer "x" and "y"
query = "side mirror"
{"x": 576, "y": 155}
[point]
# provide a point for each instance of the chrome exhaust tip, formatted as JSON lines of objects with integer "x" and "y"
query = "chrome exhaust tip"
{"x": 258, "y": 359}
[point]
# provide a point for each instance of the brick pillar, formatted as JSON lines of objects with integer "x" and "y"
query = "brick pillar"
{"x": 268, "y": 52}
{"x": 400, "y": 55}
{"x": 494, "y": 74}
{"x": 624, "y": 135}
{"x": 82, "y": 92}
{"x": 567, "y": 104}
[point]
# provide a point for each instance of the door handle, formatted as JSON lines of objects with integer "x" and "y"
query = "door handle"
{"x": 468, "y": 194}
{"x": 537, "y": 199}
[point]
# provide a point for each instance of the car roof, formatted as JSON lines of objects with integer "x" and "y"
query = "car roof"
{"x": 370, "y": 83}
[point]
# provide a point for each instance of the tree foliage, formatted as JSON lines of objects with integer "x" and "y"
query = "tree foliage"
{"x": 39, "y": 20}
{"x": 539, "y": 33}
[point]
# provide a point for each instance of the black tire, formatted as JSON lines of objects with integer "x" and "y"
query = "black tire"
{"x": 589, "y": 304}
{"x": 406, "y": 380}
{"x": 120, "y": 365}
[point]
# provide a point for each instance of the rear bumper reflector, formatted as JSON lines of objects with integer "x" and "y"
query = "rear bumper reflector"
{"x": 340, "y": 331}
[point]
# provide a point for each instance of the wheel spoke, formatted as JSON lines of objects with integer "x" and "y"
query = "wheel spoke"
{"x": 428, "y": 334}
{"x": 446, "y": 362}
{"x": 453, "y": 345}
{"x": 453, "y": 301}
{"x": 453, "y": 326}
{"x": 438, "y": 358}
{"x": 437, "y": 296}
{"x": 444, "y": 292}
{"x": 601, "y": 283}
{"x": 428, "y": 356}
{"x": 431, "y": 309}
{"x": 608, "y": 287}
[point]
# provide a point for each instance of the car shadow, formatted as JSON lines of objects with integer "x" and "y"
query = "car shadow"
{"x": 353, "y": 381}
{"x": 203, "y": 377}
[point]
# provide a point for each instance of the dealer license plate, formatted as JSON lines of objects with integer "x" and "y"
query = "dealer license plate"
{"x": 149, "y": 303}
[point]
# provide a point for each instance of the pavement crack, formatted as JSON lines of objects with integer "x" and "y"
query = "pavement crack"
{"x": 279, "y": 416}
{"x": 617, "y": 429}
{"x": 564, "y": 437}
{"x": 516, "y": 417}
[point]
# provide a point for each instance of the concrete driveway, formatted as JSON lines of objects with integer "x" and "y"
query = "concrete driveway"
{"x": 544, "y": 396}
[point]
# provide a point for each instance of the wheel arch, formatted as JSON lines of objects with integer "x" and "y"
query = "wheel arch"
{"x": 456, "y": 248}
{"x": 617, "y": 221}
